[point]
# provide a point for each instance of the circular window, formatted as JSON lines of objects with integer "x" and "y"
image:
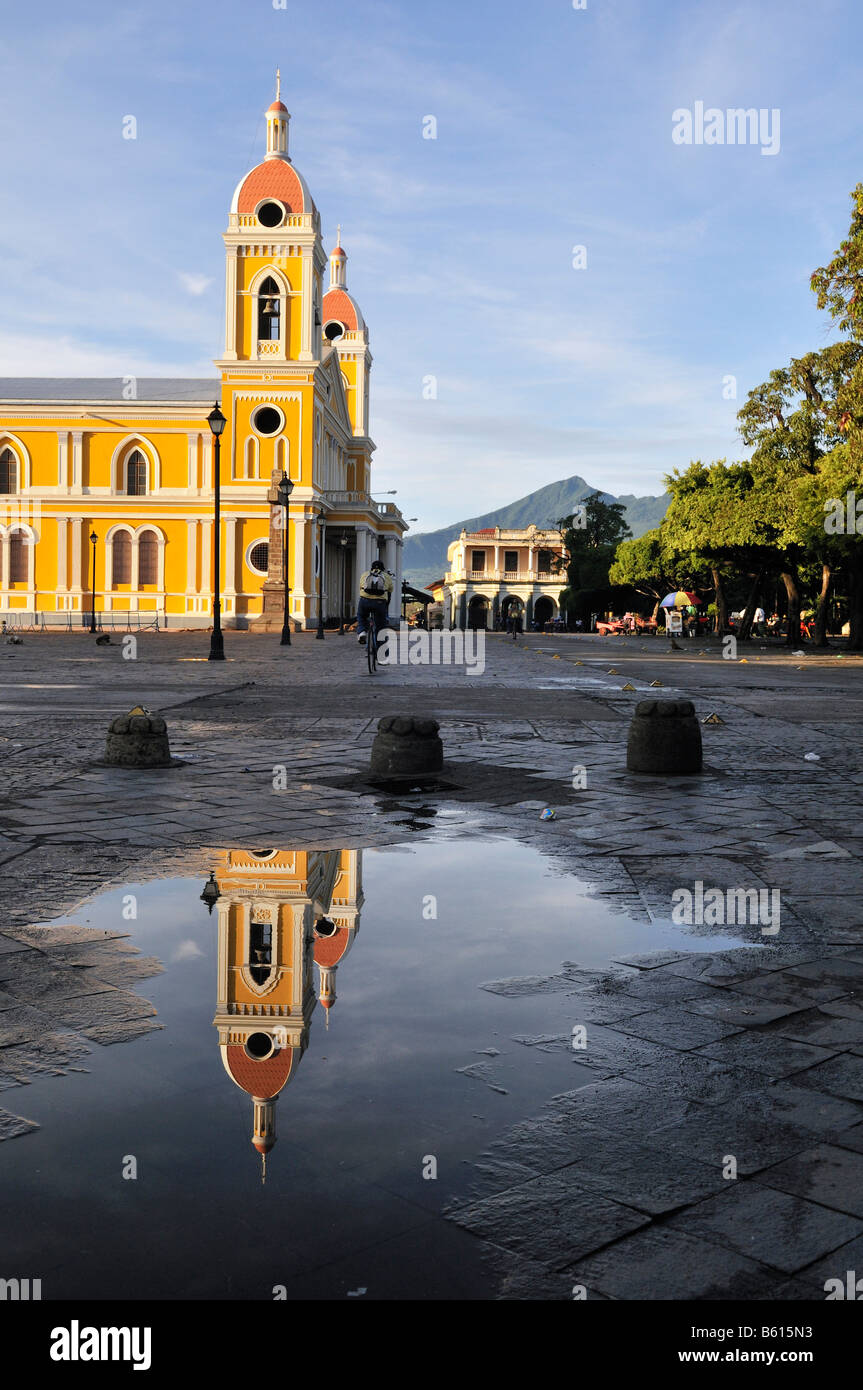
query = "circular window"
{"x": 325, "y": 926}
{"x": 267, "y": 420}
{"x": 271, "y": 214}
{"x": 334, "y": 330}
{"x": 259, "y": 561}
{"x": 260, "y": 1046}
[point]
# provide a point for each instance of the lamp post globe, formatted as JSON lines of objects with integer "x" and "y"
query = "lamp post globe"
{"x": 285, "y": 489}
{"x": 217, "y": 422}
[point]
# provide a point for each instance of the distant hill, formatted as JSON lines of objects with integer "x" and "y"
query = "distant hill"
{"x": 425, "y": 555}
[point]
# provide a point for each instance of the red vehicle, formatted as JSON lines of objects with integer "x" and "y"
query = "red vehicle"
{"x": 635, "y": 624}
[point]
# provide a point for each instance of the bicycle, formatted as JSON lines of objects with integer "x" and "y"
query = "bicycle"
{"x": 372, "y": 643}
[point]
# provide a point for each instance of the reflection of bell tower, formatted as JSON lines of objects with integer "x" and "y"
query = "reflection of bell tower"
{"x": 334, "y": 934}
{"x": 267, "y": 910}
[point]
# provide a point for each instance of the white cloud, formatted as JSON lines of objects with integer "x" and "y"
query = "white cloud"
{"x": 195, "y": 284}
{"x": 187, "y": 950}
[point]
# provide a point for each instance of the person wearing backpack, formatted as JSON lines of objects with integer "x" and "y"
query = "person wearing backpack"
{"x": 376, "y": 587}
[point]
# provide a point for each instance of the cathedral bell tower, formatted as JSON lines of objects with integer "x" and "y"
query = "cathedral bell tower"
{"x": 275, "y": 259}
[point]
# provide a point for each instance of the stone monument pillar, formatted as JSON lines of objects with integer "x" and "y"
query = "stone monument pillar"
{"x": 273, "y": 590}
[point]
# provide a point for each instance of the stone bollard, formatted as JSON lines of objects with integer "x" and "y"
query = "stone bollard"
{"x": 664, "y": 737}
{"x": 138, "y": 739}
{"x": 406, "y": 747}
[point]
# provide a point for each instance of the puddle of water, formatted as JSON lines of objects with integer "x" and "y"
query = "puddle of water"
{"x": 405, "y": 940}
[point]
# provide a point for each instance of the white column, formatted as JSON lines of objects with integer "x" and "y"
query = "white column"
{"x": 6, "y": 566}
{"x": 223, "y": 910}
{"x": 206, "y": 558}
{"x": 496, "y": 560}
{"x": 62, "y": 562}
{"x": 399, "y": 557}
{"x": 193, "y": 462}
{"x": 134, "y": 604}
{"x": 361, "y": 561}
{"x": 77, "y": 576}
{"x": 529, "y": 561}
{"x": 322, "y": 568}
{"x": 307, "y": 307}
{"x": 230, "y": 584}
{"x": 63, "y": 458}
{"x": 191, "y": 557}
{"x": 77, "y": 461}
{"x": 298, "y": 566}
{"x": 231, "y": 304}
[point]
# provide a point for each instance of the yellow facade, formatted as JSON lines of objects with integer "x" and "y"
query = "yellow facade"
{"x": 131, "y": 461}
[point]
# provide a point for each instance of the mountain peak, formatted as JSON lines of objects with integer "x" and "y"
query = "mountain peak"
{"x": 425, "y": 554}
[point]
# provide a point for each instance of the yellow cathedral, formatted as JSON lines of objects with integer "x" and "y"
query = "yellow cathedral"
{"x": 130, "y": 461}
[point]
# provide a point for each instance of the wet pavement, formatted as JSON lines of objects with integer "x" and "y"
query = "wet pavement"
{"x": 613, "y": 1101}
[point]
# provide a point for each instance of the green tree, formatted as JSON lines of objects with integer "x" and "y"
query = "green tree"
{"x": 645, "y": 564}
{"x": 838, "y": 287}
{"x": 591, "y": 536}
{"x": 793, "y": 422}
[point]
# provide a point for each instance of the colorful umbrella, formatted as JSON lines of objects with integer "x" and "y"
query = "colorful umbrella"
{"x": 679, "y": 599}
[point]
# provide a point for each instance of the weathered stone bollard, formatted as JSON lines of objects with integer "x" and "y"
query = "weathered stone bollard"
{"x": 406, "y": 747}
{"x": 138, "y": 739}
{"x": 664, "y": 737}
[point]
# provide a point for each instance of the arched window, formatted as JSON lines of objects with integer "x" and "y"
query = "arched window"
{"x": 269, "y": 311}
{"x": 121, "y": 568}
{"x": 148, "y": 559}
{"x": 18, "y": 542}
{"x": 8, "y": 472}
{"x": 136, "y": 474}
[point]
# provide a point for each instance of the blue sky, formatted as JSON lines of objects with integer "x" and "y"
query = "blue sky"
{"x": 554, "y": 130}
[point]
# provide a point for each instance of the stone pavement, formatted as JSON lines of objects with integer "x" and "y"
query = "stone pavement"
{"x": 746, "y": 1060}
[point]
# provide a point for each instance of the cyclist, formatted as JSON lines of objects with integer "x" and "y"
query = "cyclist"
{"x": 376, "y": 587}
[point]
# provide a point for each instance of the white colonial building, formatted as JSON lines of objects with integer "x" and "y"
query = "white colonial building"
{"x": 489, "y": 571}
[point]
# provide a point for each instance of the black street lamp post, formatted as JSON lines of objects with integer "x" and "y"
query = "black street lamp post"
{"x": 320, "y": 632}
{"x": 286, "y": 487}
{"x": 217, "y": 422}
{"x": 93, "y": 540}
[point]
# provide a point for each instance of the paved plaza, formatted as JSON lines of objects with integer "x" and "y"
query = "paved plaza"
{"x": 711, "y": 1145}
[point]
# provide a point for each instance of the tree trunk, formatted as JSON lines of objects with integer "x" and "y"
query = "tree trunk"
{"x": 820, "y": 639}
{"x": 746, "y": 624}
{"x": 792, "y": 591}
{"x": 721, "y": 606}
{"x": 855, "y": 587}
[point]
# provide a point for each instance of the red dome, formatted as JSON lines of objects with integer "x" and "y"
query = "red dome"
{"x": 339, "y": 251}
{"x": 274, "y": 178}
{"x": 263, "y": 1146}
{"x": 339, "y": 305}
{"x": 278, "y": 106}
{"x": 263, "y": 1079}
{"x": 330, "y": 949}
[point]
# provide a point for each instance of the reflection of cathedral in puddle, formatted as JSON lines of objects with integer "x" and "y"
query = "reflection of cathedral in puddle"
{"x": 278, "y": 913}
